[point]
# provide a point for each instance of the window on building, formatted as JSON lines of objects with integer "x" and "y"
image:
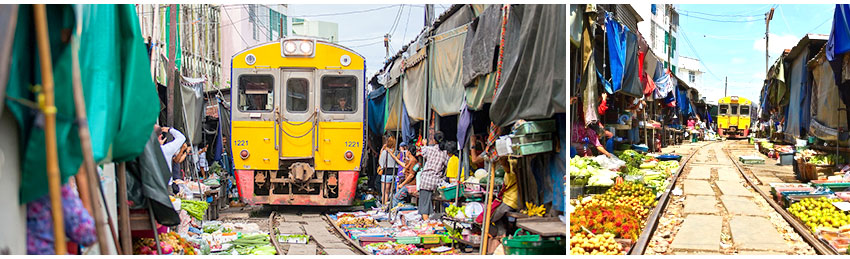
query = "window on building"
{"x": 255, "y": 92}
{"x": 666, "y": 41}
{"x": 674, "y": 70}
{"x": 339, "y": 94}
{"x": 692, "y": 76}
{"x": 297, "y": 94}
{"x": 652, "y": 32}
{"x": 653, "y": 9}
{"x": 277, "y": 21}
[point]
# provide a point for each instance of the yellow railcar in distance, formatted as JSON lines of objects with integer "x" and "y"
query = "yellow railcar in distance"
{"x": 297, "y": 122}
{"x": 733, "y": 116}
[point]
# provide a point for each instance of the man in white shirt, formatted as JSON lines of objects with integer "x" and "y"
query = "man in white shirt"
{"x": 170, "y": 148}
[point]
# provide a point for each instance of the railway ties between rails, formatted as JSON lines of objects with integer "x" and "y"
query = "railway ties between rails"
{"x": 722, "y": 209}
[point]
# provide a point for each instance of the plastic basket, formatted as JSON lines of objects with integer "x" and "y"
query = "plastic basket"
{"x": 450, "y": 192}
{"x": 371, "y": 240}
{"x": 408, "y": 240}
{"x": 430, "y": 239}
{"x": 533, "y": 245}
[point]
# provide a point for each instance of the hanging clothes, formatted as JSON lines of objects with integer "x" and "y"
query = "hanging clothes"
{"x": 664, "y": 83}
{"x": 646, "y": 80}
{"x": 631, "y": 72}
{"x": 464, "y": 119}
{"x": 616, "y": 35}
{"x": 407, "y": 132}
{"x": 377, "y": 107}
{"x": 839, "y": 36}
{"x": 79, "y": 225}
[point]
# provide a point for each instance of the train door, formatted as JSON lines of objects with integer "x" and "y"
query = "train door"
{"x": 733, "y": 115}
{"x": 744, "y": 118}
{"x": 723, "y": 116}
{"x": 297, "y": 114}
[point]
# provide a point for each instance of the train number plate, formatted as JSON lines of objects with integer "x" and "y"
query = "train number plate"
{"x": 241, "y": 142}
{"x": 352, "y": 144}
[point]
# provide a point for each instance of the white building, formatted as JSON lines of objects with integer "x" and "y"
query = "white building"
{"x": 656, "y": 30}
{"x": 691, "y": 71}
{"x": 246, "y": 25}
{"x": 319, "y": 29}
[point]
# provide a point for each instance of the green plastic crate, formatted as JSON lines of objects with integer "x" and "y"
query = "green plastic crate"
{"x": 533, "y": 245}
{"x": 532, "y": 148}
{"x": 450, "y": 192}
{"x": 408, "y": 240}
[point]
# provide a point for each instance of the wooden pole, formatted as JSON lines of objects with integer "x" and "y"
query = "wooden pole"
{"x": 123, "y": 210}
{"x": 83, "y": 188}
{"x": 91, "y": 186}
{"x": 170, "y": 70}
{"x": 486, "y": 233}
{"x": 53, "y": 177}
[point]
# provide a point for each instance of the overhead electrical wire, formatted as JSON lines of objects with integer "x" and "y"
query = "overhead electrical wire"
{"x": 690, "y": 45}
{"x": 234, "y": 28}
{"x": 742, "y": 14}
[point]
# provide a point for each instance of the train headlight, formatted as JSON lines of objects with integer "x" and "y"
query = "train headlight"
{"x": 244, "y": 154}
{"x": 298, "y": 47}
{"x": 349, "y": 155}
{"x": 289, "y": 48}
{"x": 306, "y": 47}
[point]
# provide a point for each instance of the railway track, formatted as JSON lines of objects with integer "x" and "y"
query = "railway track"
{"x": 652, "y": 222}
{"x": 801, "y": 229}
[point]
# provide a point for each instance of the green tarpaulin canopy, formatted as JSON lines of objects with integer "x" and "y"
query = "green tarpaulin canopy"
{"x": 121, "y": 100}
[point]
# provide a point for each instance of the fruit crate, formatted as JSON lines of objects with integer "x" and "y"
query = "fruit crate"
{"x": 409, "y": 240}
{"x": 430, "y": 239}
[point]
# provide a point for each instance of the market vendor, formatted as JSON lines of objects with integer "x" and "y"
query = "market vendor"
{"x": 411, "y": 166}
{"x": 584, "y": 138}
{"x": 431, "y": 176}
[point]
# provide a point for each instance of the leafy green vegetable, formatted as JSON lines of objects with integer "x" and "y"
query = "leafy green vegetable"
{"x": 831, "y": 159}
{"x": 195, "y": 209}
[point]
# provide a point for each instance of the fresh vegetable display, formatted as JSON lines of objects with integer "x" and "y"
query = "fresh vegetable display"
{"x": 831, "y": 159}
{"x": 667, "y": 167}
{"x": 603, "y": 177}
{"x": 628, "y": 189}
{"x": 817, "y": 212}
{"x": 583, "y": 167}
{"x": 456, "y": 212}
{"x": 632, "y": 158}
{"x": 196, "y": 209}
{"x": 604, "y": 244}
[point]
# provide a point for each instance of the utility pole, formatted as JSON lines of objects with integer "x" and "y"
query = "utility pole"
{"x": 767, "y": 17}
{"x": 387, "y": 46}
{"x": 172, "y": 30}
{"x": 725, "y": 87}
{"x": 429, "y": 14}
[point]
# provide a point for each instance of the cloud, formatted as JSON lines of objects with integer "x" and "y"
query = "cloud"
{"x": 738, "y": 61}
{"x": 778, "y": 43}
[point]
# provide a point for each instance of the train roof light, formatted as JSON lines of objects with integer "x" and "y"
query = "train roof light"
{"x": 298, "y": 47}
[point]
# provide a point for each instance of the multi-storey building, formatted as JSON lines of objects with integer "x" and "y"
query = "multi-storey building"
{"x": 656, "y": 29}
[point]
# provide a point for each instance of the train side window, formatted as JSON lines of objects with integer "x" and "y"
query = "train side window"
{"x": 255, "y": 92}
{"x": 734, "y": 110}
{"x": 297, "y": 93}
{"x": 724, "y": 109}
{"x": 745, "y": 110}
{"x": 339, "y": 94}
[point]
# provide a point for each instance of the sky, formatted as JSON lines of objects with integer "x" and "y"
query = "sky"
{"x": 729, "y": 40}
{"x": 362, "y": 27}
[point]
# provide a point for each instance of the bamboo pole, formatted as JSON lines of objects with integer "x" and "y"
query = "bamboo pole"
{"x": 53, "y": 177}
{"x": 83, "y": 188}
{"x": 488, "y": 210}
{"x": 123, "y": 210}
{"x": 87, "y": 169}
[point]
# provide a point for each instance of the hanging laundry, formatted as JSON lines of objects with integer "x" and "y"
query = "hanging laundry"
{"x": 645, "y": 80}
{"x": 79, "y": 225}
{"x": 616, "y": 36}
{"x": 664, "y": 83}
{"x": 839, "y": 37}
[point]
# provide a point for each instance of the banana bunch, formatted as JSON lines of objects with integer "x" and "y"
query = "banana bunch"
{"x": 534, "y": 210}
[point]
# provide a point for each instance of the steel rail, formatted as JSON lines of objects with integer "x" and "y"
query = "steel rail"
{"x": 652, "y": 222}
{"x": 798, "y": 226}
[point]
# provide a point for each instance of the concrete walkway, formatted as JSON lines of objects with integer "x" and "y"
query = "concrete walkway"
{"x": 718, "y": 203}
